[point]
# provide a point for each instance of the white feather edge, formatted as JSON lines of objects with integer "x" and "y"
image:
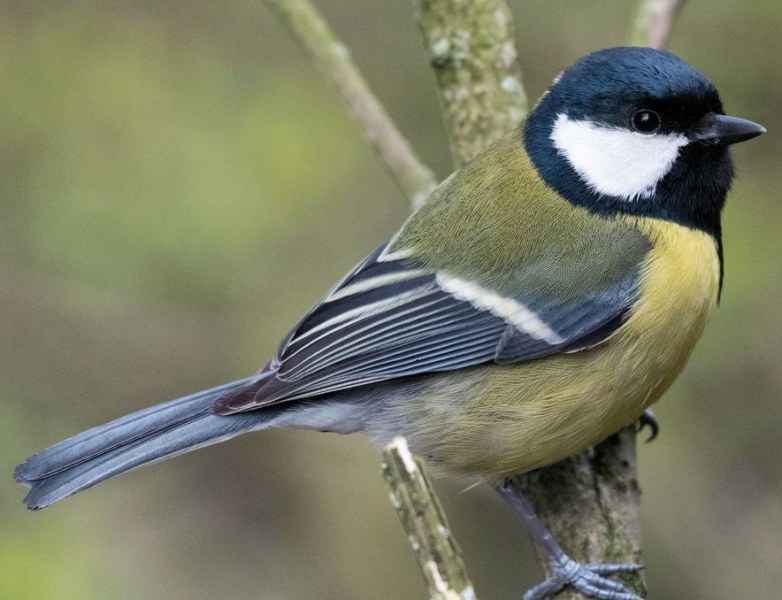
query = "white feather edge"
{"x": 374, "y": 283}
{"x": 513, "y": 312}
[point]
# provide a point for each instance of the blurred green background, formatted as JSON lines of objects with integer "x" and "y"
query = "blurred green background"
{"x": 178, "y": 184}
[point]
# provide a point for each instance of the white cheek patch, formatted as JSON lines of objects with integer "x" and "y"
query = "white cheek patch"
{"x": 616, "y": 162}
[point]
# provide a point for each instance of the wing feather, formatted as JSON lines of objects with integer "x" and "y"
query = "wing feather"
{"x": 392, "y": 317}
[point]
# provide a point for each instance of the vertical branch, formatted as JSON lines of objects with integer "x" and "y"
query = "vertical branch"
{"x": 333, "y": 59}
{"x": 591, "y": 504}
{"x": 471, "y": 49}
{"x": 425, "y": 524}
{"x": 654, "y": 22}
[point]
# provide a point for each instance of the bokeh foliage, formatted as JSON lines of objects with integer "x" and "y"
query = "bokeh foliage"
{"x": 178, "y": 185}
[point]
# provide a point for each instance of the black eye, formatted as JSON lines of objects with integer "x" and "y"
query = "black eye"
{"x": 646, "y": 121}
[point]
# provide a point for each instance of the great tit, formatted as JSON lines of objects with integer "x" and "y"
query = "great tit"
{"x": 540, "y": 300}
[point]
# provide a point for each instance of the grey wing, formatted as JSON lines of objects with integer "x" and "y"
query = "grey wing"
{"x": 391, "y": 317}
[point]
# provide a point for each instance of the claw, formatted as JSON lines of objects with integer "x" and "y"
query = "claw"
{"x": 647, "y": 419}
{"x": 587, "y": 579}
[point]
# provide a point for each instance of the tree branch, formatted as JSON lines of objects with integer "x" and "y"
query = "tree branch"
{"x": 425, "y": 524}
{"x": 471, "y": 49}
{"x": 332, "y": 58}
{"x": 655, "y": 21}
{"x": 589, "y": 502}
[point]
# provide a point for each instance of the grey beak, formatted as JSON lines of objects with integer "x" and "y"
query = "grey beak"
{"x": 721, "y": 130}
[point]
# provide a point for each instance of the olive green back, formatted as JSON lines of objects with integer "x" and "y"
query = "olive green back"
{"x": 497, "y": 223}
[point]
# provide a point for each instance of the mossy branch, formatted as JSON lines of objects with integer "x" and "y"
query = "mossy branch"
{"x": 471, "y": 48}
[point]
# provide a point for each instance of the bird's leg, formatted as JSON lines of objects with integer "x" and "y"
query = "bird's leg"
{"x": 586, "y": 578}
{"x": 648, "y": 419}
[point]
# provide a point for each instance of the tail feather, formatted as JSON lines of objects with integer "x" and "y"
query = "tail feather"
{"x": 130, "y": 442}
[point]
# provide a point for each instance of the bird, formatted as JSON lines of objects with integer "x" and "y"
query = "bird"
{"x": 540, "y": 300}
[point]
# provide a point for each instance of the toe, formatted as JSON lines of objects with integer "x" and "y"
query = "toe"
{"x": 613, "y": 568}
{"x": 587, "y": 579}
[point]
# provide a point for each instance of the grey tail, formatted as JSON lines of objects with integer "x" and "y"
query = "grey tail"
{"x": 138, "y": 439}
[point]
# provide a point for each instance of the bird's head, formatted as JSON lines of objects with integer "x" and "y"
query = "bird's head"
{"x": 639, "y": 131}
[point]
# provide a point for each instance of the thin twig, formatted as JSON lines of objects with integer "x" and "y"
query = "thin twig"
{"x": 333, "y": 59}
{"x": 655, "y": 21}
{"x": 471, "y": 48}
{"x": 425, "y": 524}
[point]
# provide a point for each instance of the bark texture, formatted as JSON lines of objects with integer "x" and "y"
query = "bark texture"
{"x": 471, "y": 49}
{"x": 424, "y": 522}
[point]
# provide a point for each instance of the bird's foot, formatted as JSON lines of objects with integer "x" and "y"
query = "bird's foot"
{"x": 586, "y": 578}
{"x": 648, "y": 419}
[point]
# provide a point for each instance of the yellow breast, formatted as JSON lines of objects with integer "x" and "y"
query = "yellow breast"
{"x": 680, "y": 287}
{"x": 505, "y": 420}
